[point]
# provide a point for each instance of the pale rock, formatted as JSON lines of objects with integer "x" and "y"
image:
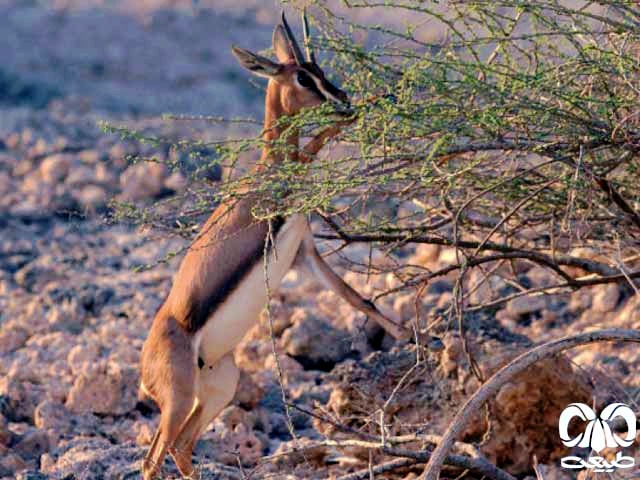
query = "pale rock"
{"x": 448, "y": 256}
{"x": 103, "y": 174}
{"x": 33, "y": 277}
{"x": 33, "y": 444}
{"x": 506, "y": 318}
{"x": 236, "y": 441}
{"x": 109, "y": 391}
{"x": 12, "y": 141}
{"x": 11, "y": 463}
{"x": 339, "y": 402}
{"x": 280, "y": 321}
{"x": 28, "y": 137}
{"x": 356, "y": 281}
{"x": 125, "y": 353}
{"x": 20, "y": 397}
{"x": 606, "y": 298}
{"x": 90, "y": 157}
{"x": 313, "y": 342}
{"x": 34, "y": 317}
{"x": 293, "y": 279}
{"x": 39, "y": 148}
{"x": 481, "y": 286}
{"x": 142, "y": 181}
{"x": 6, "y": 183}
{"x": 230, "y": 417}
{"x": 56, "y": 167}
{"x": 5, "y": 434}
{"x": 12, "y": 338}
{"x": 445, "y": 299}
{"x": 7, "y": 287}
{"x": 79, "y": 175}
{"x": 404, "y": 305}
{"x": 391, "y": 281}
{"x": 541, "y": 277}
{"x": 144, "y": 433}
{"x": 122, "y": 431}
{"x": 248, "y": 392}
{"x": 289, "y": 367}
{"x": 87, "y": 455}
{"x": 91, "y": 197}
{"x": 47, "y": 461}
{"x": 250, "y": 355}
{"x": 426, "y": 255}
{"x": 32, "y": 183}
{"x": 67, "y": 316}
{"x": 452, "y": 355}
{"x": 629, "y": 316}
{"x": 303, "y": 450}
{"x": 118, "y": 154}
{"x": 526, "y": 304}
{"x": 579, "y": 301}
{"x": 29, "y": 206}
{"x": 51, "y": 415}
{"x": 22, "y": 167}
{"x": 176, "y": 182}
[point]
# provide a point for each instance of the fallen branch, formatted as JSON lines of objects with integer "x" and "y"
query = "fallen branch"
{"x": 491, "y": 388}
{"x": 479, "y": 465}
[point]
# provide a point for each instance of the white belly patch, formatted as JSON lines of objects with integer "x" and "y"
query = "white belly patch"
{"x": 229, "y": 323}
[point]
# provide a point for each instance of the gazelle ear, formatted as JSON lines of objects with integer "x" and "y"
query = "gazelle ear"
{"x": 256, "y": 64}
{"x": 281, "y": 46}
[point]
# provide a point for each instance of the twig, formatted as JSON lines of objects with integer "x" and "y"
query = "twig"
{"x": 582, "y": 263}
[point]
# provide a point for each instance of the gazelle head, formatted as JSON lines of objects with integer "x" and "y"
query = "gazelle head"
{"x": 295, "y": 81}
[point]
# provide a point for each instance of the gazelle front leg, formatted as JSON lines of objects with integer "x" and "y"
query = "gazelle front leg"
{"x": 331, "y": 280}
{"x": 168, "y": 375}
{"x": 172, "y": 417}
{"x": 216, "y": 387}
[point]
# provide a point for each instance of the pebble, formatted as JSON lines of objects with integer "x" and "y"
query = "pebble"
{"x": 526, "y": 304}
{"x": 55, "y": 168}
{"x": 606, "y": 298}
{"x": 142, "y": 181}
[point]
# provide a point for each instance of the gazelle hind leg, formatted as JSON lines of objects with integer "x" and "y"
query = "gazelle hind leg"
{"x": 171, "y": 373}
{"x": 216, "y": 387}
{"x": 172, "y": 418}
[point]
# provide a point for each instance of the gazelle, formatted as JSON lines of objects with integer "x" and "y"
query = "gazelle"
{"x": 219, "y": 290}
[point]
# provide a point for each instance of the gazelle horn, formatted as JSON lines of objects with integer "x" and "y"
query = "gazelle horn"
{"x": 311, "y": 58}
{"x": 297, "y": 53}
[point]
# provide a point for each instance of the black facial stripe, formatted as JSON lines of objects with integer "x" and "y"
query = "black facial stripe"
{"x": 332, "y": 89}
{"x": 326, "y": 84}
{"x": 307, "y": 81}
{"x": 314, "y": 88}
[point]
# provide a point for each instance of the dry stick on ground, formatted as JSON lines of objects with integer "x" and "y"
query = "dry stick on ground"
{"x": 478, "y": 465}
{"x": 505, "y": 374}
{"x": 472, "y": 460}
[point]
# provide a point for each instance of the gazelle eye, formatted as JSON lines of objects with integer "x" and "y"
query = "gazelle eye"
{"x": 305, "y": 80}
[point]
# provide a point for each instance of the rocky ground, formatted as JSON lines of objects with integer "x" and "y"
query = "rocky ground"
{"x": 75, "y": 304}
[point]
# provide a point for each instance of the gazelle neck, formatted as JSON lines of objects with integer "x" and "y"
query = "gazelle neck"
{"x": 273, "y": 127}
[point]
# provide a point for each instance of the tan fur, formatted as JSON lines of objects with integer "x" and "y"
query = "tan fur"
{"x": 191, "y": 329}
